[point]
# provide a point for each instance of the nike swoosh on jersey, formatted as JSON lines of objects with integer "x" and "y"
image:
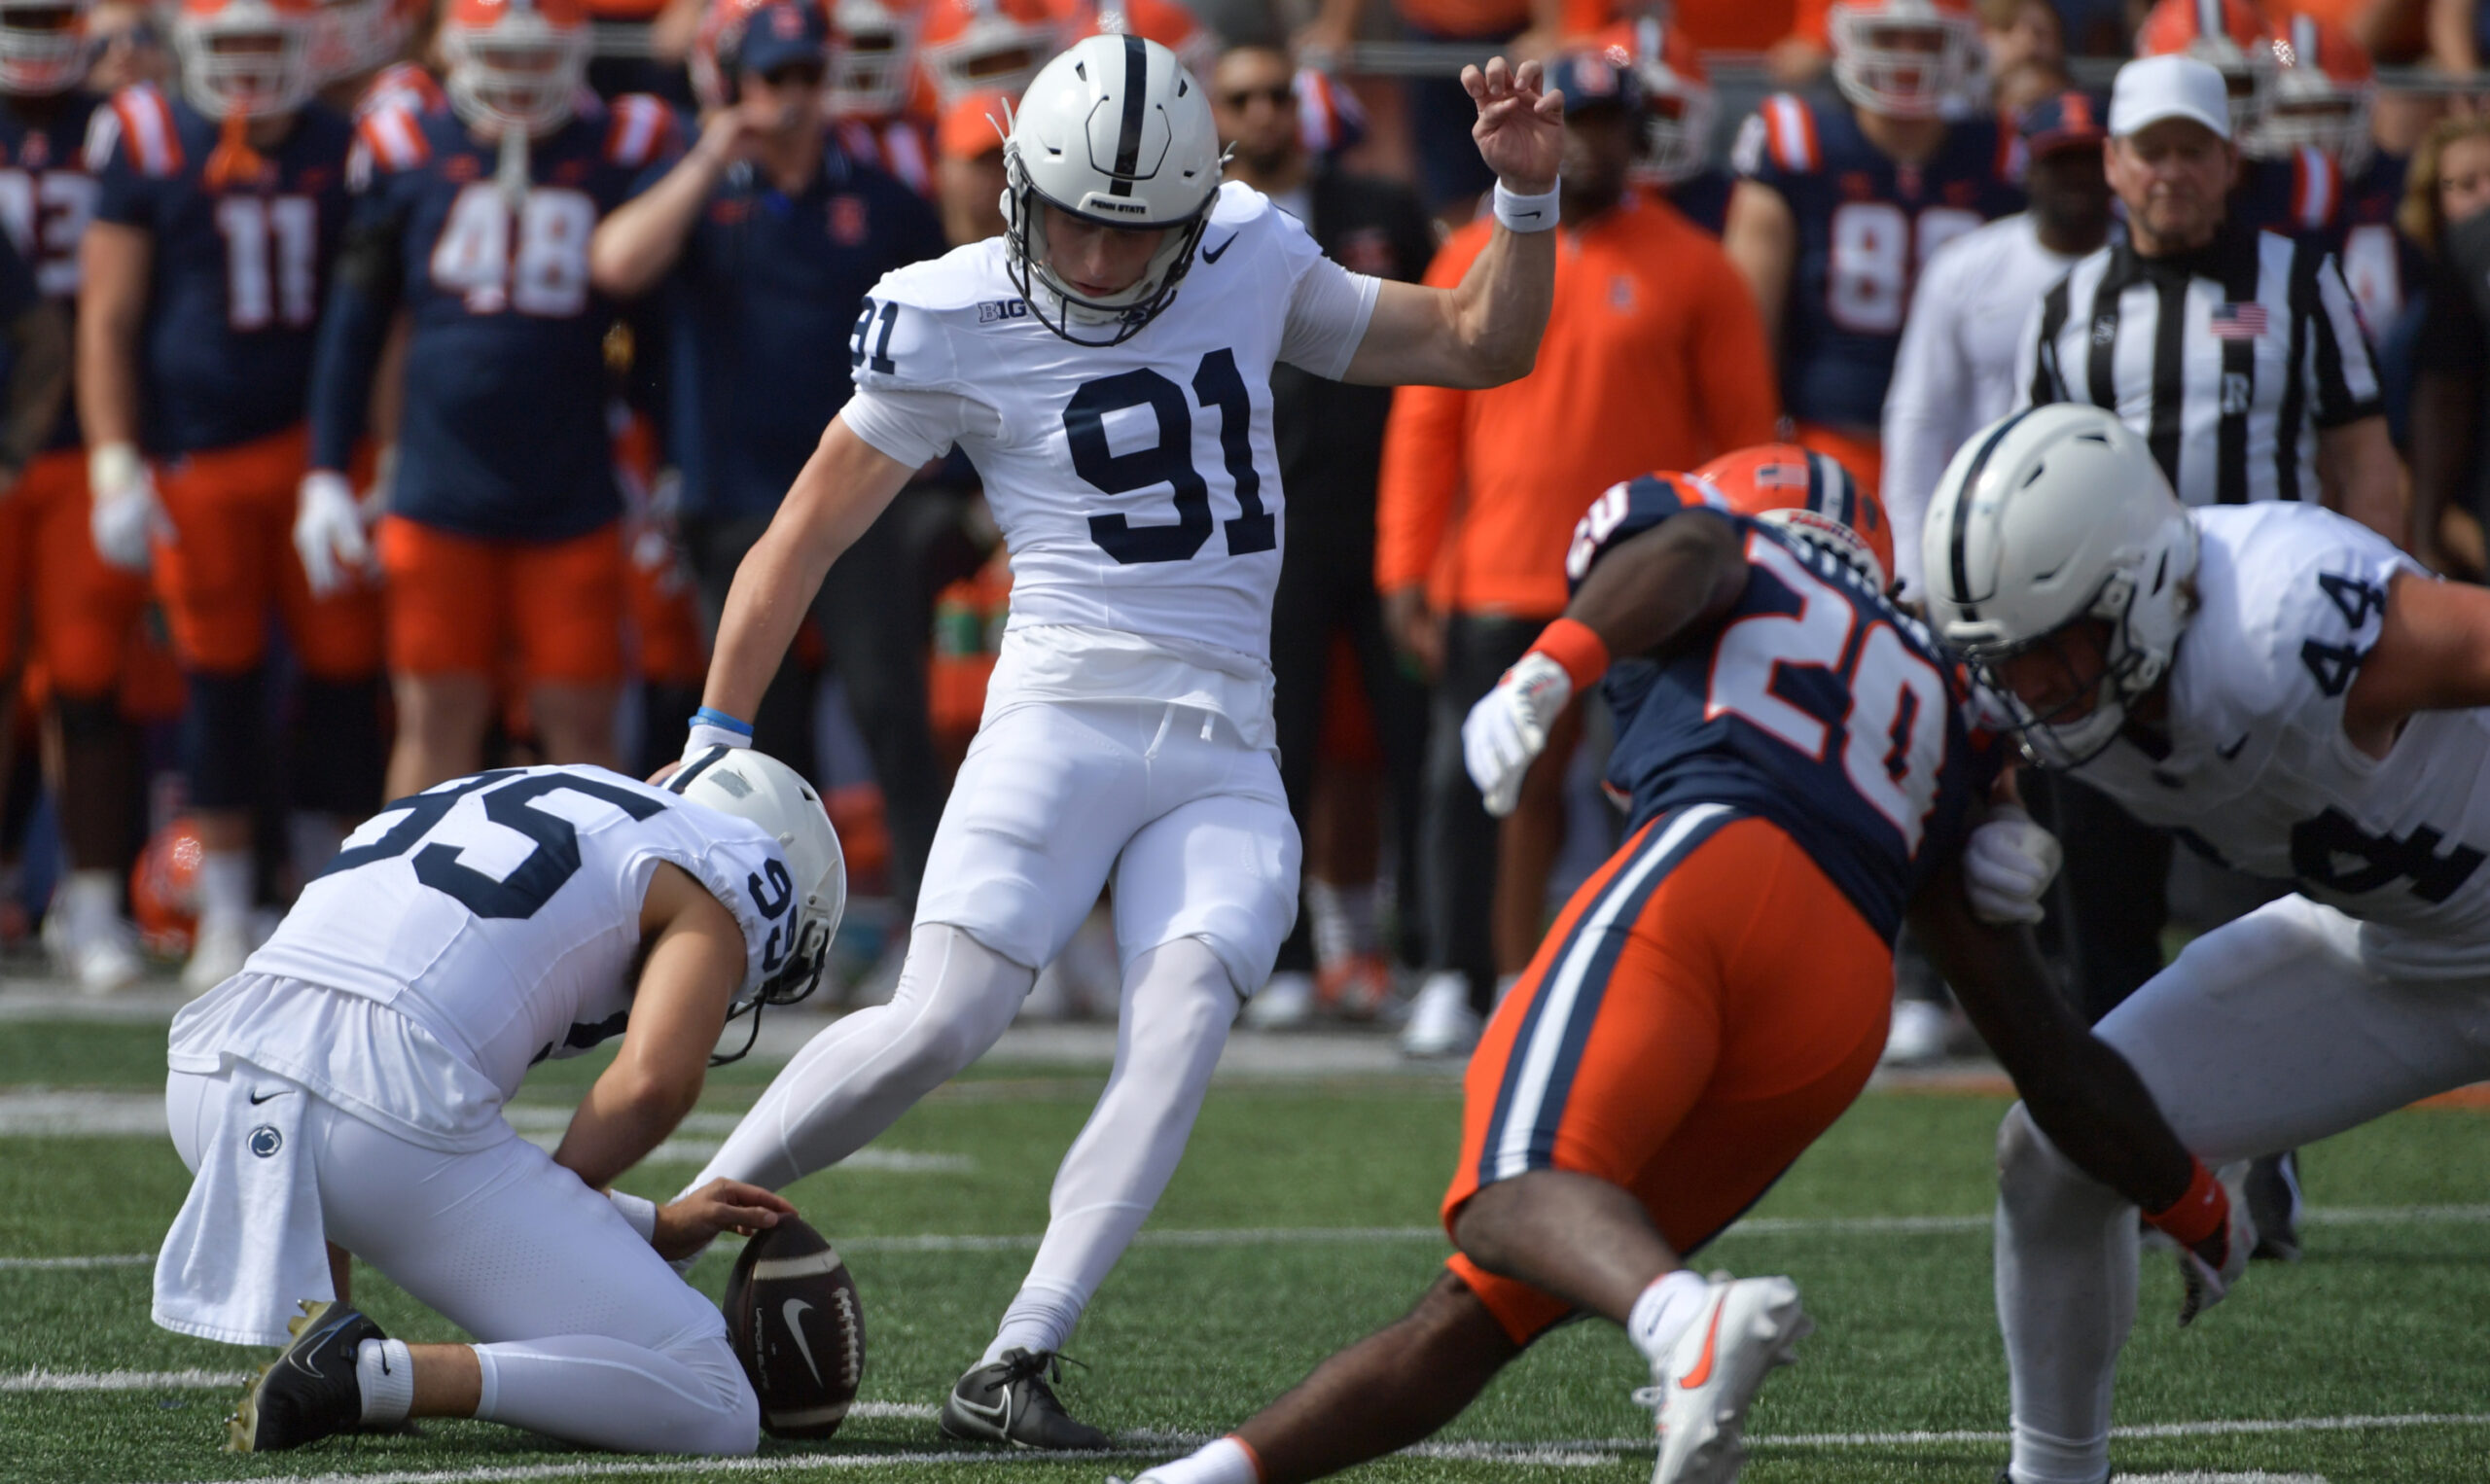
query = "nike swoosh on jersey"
{"x": 258, "y": 1098}
{"x": 793, "y": 1313}
{"x": 1212, "y": 254}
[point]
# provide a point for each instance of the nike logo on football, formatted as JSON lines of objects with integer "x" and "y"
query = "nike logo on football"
{"x": 1702, "y": 1371}
{"x": 2232, "y": 751}
{"x": 1212, "y": 254}
{"x": 793, "y": 1312}
{"x": 258, "y": 1098}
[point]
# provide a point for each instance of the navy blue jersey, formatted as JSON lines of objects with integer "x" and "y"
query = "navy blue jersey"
{"x": 1703, "y": 199}
{"x": 2297, "y": 195}
{"x": 239, "y": 262}
{"x": 766, "y": 293}
{"x": 502, "y": 434}
{"x": 46, "y": 198}
{"x": 1865, "y": 229}
{"x": 1817, "y": 705}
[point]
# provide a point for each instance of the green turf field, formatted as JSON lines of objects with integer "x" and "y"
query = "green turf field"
{"x": 1302, "y": 1218}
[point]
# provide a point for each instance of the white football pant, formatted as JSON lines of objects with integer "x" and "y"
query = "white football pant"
{"x": 587, "y": 1334}
{"x": 1054, "y": 798}
{"x": 2266, "y": 1035}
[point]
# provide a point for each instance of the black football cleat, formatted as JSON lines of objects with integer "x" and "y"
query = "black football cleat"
{"x": 1009, "y": 1401}
{"x": 309, "y": 1390}
{"x": 2274, "y": 1204}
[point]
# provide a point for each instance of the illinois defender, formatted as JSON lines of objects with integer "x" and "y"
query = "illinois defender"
{"x": 1798, "y": 751}
{"x": 216, "y": 215}
{"x": 1838, "y": 209}
{"x": 2324, "y": 91}
{"x": 501, "y": 530}
{"x": 74, "y": 610}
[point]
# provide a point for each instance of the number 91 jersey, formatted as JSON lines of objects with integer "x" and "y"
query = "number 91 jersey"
{"x": 1817, "y": 705}
{"x": 499, "y": 914}
{"x": 1136, "y": 485}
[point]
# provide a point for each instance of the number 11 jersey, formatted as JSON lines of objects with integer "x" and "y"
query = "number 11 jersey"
{"x": 1816, "y": 705}
{"x": 1136, "y": 485}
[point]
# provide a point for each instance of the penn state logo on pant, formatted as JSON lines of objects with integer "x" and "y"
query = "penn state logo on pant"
{"x": 265, "y": 1141}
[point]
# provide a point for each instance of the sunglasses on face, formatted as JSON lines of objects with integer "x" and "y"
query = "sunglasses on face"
{"x": 1278, "y": 96}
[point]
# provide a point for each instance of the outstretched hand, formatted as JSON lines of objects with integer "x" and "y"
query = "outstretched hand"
{"x": 1520, "y": 129}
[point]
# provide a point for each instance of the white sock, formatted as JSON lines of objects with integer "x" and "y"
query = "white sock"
{"x": 1041, "y": 1319}
{"x": 384, "y": 1371}
{"x": 1226, "y": 1462}
{"x": 225, "y": 889}
{"x": 90, "y": 901}
{"x": 1664, "y": 1311}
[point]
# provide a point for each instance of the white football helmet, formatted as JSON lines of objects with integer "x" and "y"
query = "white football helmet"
{"x": 246, "y": 58}
{"x": 2045, "y": 517}
{"x": 1904, "y": 59}
{"x": 44, "y": 49}
{"x": 873, "y": 61}
{"x": 757, "y": 787}
{"x": 1114, "y": 131}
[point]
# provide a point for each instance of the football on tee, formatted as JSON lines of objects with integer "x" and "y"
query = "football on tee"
{"x": 794, "y": 1319}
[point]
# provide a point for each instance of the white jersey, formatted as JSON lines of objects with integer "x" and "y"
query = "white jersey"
{"x": 470, "y": 931}
{"x": 1137, "y": 485}
{"x": 1954, "y": 371}
{"x": 2259, "y": 774}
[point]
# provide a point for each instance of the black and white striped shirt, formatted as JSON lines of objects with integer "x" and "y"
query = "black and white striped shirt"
{"x": 2228, "y": 360}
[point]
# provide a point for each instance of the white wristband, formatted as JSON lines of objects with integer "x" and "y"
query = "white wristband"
{"x": 112, "y": 467}
{"x": 706, "y": 735}
{"x": 639, "y": 1210}
{"x": 1526, "y": 213}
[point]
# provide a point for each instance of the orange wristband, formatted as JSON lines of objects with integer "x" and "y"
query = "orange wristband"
{"x": 2197, "y": 1214}
{"x": 1577, "y": 648}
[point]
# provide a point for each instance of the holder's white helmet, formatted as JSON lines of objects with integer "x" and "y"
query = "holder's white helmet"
{"x": 1114, "y": 131}
{"x": 2045, "y": 517}
{"x": 757, "y": 787}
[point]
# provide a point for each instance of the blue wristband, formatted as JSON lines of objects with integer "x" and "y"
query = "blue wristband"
{"x": 711, "y": 716}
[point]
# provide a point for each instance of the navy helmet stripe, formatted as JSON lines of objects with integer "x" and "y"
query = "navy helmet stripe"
{"x": 683, "y": 775}
{"x": 1958, "y": 543}
{"x": 1136, "y": 95}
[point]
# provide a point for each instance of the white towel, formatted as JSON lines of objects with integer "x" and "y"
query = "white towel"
{"x": 248, "y": 1246}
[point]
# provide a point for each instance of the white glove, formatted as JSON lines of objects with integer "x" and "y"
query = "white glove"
{"x": 125, "y": 517}
{"x": 2008, "y": 866}
{"x": 1505, "y": 730}
{"x": 2209, "y": 1267}
{"x": 327, "y": 532}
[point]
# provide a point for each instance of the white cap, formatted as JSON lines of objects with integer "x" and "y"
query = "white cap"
{"x": 2153, "y": 89}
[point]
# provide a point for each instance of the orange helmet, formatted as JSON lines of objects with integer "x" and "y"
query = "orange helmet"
{"x": 163, "y": 889}
{"x": 246, "y": 57}
{"x": 1812, "y": 497}
{"x": 1904, "y": 59}
{"x": 2228, "y": 35}
{"x": 517, "y": 64}
{"x": 42, "y": 45}
{"x": 2324, "y": 86}
{"x": 968, "y": 44}
{"x": 874, "y": 55}
{"x": 1677, "y": 101}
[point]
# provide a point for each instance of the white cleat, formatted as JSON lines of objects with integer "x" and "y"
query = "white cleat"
{"x": 1748, "y": 1327}
{"x": 216, "y": 954}
{"x": 1285, "y": 1004}
{"x": 1441, "y": 1022}
{"x": 106, "y": 964}
{"x": 1918, "y": 1034}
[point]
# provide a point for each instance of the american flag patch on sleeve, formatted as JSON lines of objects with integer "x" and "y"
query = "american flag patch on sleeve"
{"x": 2238, "y": 321}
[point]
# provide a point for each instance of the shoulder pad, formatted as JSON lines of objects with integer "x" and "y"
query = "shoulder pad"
{"x": 640, "y": 132}
{"x": 143, "y": 118}
{"x": 2317, "y": 188}
{"x": 1789, "y": 134}
{"x": 393, "y": 136}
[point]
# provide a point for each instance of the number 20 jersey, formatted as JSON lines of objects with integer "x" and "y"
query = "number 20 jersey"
{"x": 2257, "y": 773}
{"x": 465, "y": 933}
{"x": 1137, "y": 485}
{"x": 1817, "y": 705}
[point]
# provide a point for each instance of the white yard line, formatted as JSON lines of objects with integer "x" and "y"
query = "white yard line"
{"x": 122, "y": 1380}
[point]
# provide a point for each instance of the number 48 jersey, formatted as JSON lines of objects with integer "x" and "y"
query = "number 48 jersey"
{"x": 1137, "y": 485}
{"x": 1817, "y": 705}
{"x": 465, "y": 933}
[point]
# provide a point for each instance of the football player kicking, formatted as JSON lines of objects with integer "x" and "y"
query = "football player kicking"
{"x": 2323, "y": 724}
{"x": 1127, "y": 729}
{"x": 1806, "y": 769}
{"x": 349, "y": 1084}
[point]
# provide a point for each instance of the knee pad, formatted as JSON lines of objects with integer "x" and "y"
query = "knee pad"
{"x": 338, "y": 757}
{"x": 224, "y": 737}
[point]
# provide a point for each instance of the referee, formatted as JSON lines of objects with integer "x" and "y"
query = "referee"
{"x": 2237, "y": 356}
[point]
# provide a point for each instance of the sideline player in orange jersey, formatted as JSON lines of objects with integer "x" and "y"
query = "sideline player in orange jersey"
{"x": 218, "y": 214}
{"x": 1838, "y": 209}
{"x": 1798, "y": 751}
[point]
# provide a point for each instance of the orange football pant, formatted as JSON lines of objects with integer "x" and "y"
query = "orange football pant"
{"x": 457, "y": 603}
{"x": 231, "y": 558}
{"x": 1707, "y": 1005}
{"x": 76, "y": 610}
